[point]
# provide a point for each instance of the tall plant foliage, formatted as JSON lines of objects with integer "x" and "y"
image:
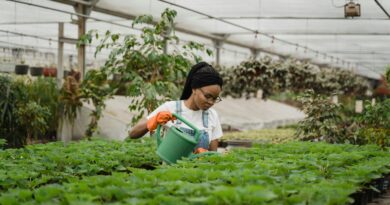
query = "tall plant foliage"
{"x": 387, "y": 75}
{"x": 151, "y": 74}
{"x": 44, "y": 92}
{"x": 96, "y": 89}
{"x": 28, "y": 109}
{"x": 322, "y": 119}
{"x": 8, "y": 117}
{"x": 375, "y": 123}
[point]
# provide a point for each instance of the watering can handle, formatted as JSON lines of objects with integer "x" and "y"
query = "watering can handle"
{"x": 196, "y": 130}
{"x": 158, "y": 137}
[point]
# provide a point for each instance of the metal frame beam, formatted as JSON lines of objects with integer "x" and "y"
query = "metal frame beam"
{"x": 383, "y": 9}
{"x": 303, "y": 33}
{"x": 179, "y": 29}
{"x": 294, "y": 18}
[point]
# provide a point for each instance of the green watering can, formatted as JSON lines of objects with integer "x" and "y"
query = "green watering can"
{"x": 176, "y": 143}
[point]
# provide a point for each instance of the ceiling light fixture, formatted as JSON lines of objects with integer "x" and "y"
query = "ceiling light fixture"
{"x": 351, "y": 9}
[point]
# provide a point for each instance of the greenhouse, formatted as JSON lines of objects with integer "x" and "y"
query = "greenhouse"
{"x": 195, "y": 102}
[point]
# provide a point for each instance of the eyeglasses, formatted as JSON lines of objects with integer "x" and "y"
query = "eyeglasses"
{"x": 210, "y": 97}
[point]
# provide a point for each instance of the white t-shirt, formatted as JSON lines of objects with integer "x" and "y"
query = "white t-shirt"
{"x": 194, "y": 117}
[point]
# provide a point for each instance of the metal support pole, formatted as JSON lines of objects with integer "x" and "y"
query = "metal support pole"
{"x": 81, "y": 9}
{"x": 218, "y": 46}
{"x": 60, "y": 55}
{"x": 255, "y": 53}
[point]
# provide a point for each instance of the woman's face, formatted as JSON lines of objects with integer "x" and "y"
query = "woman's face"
{"x": 206, "y": 96}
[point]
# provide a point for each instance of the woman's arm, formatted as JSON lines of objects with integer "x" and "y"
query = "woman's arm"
{"x": 139, "y": 130}
{"x": 213, "y": 145}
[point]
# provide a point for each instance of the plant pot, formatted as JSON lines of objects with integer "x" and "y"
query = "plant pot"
{"x": 370, "y": 195}
{"x": 50, "y": 72}
{"x": 360, "y": 198}
{"x": 21, "y": 69}
{"x": 36, "y": 71}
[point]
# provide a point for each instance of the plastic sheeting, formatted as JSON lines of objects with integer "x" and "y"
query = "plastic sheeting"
{"x": 254, "y": 113}
{"x": 316, "y": 31}
{"x": 114, "y": 122}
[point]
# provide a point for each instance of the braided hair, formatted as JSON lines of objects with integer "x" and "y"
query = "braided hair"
{"x": 202, "y": 74}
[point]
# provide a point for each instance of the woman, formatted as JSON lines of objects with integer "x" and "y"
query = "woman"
{"x": 201, "y": 91}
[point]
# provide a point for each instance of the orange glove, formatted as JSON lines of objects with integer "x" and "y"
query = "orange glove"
{"x": 161, "y": 118}
{"x": 200, "y": 150}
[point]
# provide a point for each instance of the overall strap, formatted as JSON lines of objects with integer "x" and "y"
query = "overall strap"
{"x": 205, "y": 118}
{"x": 178, "y": 111}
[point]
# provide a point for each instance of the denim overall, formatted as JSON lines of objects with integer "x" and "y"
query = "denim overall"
{"x": 204, "y": 136}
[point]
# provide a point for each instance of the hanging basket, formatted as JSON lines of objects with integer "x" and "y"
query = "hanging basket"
{"x": 36, "y": 71}
{"x": 50, "y": 72}
{"x": 21, "y": 69}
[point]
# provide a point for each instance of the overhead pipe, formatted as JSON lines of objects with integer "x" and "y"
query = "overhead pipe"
{"x": 383, "y": 9}
{"x": 72, "y": 13}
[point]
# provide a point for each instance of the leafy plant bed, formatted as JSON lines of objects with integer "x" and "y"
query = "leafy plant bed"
{"x": 260, "y": 136}
{"x": 291, "y": 173}
{"x": 41, "y": 164}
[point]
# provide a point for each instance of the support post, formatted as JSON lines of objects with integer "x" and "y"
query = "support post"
{"x": 218, "y": 46}
{"x": 81, "y": 9}
{"x": 60, "y": 55}
{"x": 255, "y": 53}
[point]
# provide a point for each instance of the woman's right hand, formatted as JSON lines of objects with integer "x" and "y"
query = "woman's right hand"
{"x": 160, "y": 118}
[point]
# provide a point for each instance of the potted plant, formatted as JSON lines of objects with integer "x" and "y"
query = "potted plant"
{"x": 69, "y": 104}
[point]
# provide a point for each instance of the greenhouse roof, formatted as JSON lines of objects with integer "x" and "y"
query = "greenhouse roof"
{"x": 304, "y": 29}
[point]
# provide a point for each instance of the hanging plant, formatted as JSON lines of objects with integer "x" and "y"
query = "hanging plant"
{"x": 326, "y": 82}
{"x": 302, "y": 75}
{"x": 273, "y": 76}
{"x": 351, "y": 84}
{"x": 249, "y": 77}
{"x": 281, "y": 76}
